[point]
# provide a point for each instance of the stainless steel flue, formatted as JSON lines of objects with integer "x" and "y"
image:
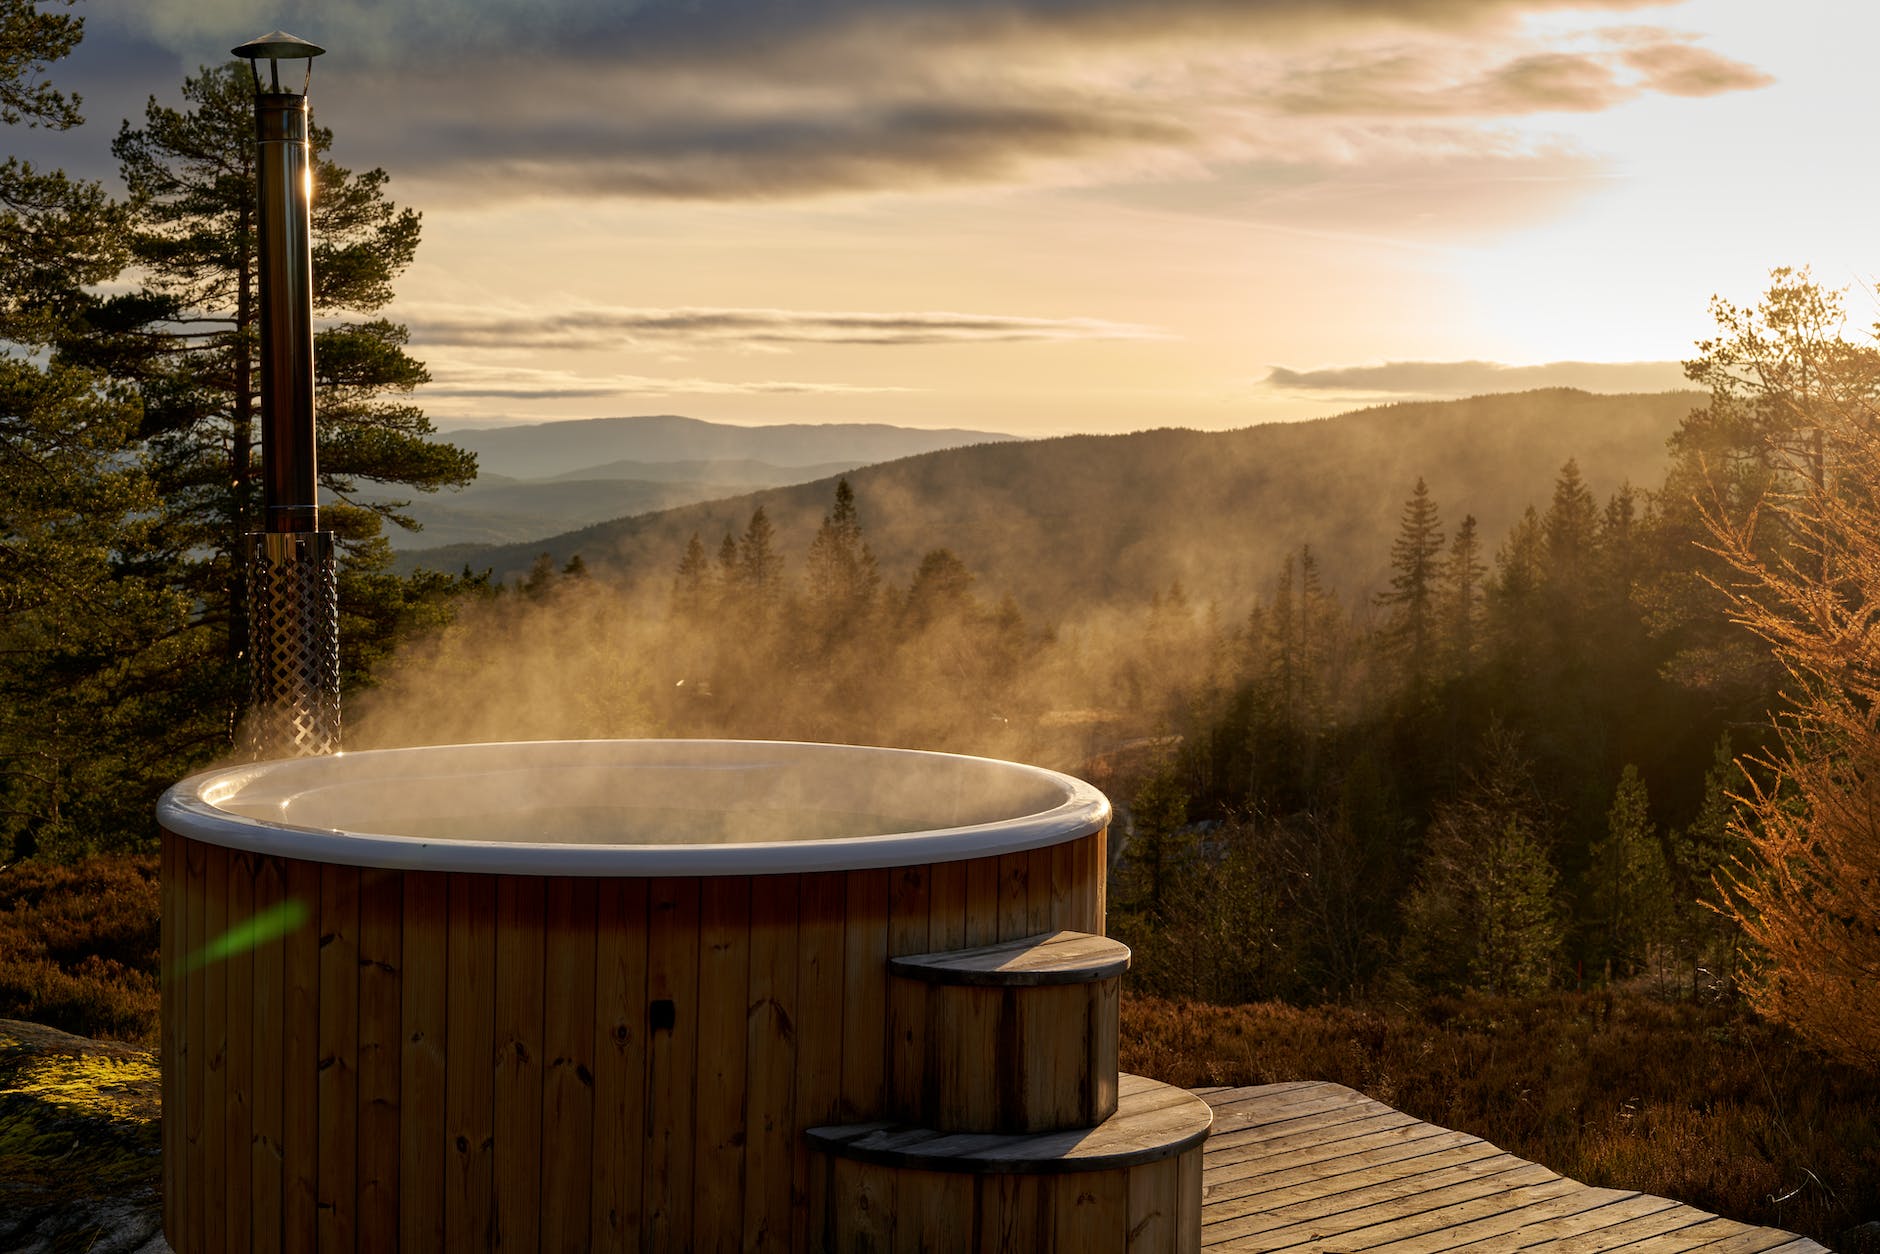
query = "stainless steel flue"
{"x": 293, "y": 605}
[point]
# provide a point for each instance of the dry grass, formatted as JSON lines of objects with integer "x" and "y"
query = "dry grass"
{"x": 1696, "y": 1103}
{"x": 78, "y": 946}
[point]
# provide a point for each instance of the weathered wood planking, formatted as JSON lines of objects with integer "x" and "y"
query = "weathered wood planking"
{"x": 431, "y": 1062}
{"x": 1313, "y": 1168}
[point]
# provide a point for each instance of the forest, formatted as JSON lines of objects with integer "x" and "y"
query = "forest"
{"x": 1619, "y": 754}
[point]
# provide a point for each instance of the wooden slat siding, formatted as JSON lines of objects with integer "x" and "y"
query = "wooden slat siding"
{"x": 933, "y": 1212}
{"x": 300, "y": 1060}
{"x": 1154, "y": 1207}
{"x": 821, "y": 929}
{"x": 1188, "y": 1213}
{"x": 1063, "y": 886}
{"x": 1092, "y": 1212}
{"x": 269, "y": 1007}
{"x": 381, "y": 904}
{"x": 238, "y": 1107}
{"x": 817, "y": 1229}
{"x": 339, "y": 1057}
{"x": 771, "y": 1063}
{"x": 567, "y": 1166}
{"x": 1039, "y": 885}
{"x": 174, "y": 896}
{"x": 470, "y": 1026}
{"x": 724, "y": 981}
{"x": 214, "y": 1148}
{"x": 910, "y": 931}
{"x": 195, "y": 874}
{"x": 517, "y": 1154}
{"x": 1100, "y": 846}
{"x": 948, "y": 906}
{"x": 862, "y": 1206}
{"x": 671, "y": 1089}
{"x": 982, "y": 901}
{"x": 619, "y": 1064}
{"x": 1014, "y": 1215}
{"x": 1014, "y": 896}
{"x": 865, "y": 995}
{"x": 422, "y": 1077}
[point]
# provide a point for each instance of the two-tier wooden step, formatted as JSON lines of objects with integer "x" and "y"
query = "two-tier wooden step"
{"x": 1130, "y": 1185}
{"x": 1014, "y": 1037}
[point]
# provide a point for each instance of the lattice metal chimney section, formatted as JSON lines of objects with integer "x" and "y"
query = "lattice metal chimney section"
{"x": 293, "y": 601}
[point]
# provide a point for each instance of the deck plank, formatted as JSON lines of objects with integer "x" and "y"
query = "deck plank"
{"x": 1308, "y": 1167}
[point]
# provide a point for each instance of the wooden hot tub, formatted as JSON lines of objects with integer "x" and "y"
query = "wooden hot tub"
{"x": 566, "y": 995}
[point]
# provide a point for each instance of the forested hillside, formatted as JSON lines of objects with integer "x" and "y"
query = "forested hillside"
{"x": 1108, "y": 520}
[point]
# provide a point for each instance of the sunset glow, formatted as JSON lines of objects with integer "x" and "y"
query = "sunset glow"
{"x": 1039, "y": 217}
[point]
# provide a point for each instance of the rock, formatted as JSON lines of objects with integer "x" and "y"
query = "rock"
{"x": 80, "y": 1155}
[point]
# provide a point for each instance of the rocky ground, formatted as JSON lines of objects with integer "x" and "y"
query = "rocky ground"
{"x": 79, "y": 1151}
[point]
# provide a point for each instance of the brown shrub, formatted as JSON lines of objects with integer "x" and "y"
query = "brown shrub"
{"x": 78, "y": 946}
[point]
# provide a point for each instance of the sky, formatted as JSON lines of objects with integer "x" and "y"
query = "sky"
{"x": 1047, "y": 216}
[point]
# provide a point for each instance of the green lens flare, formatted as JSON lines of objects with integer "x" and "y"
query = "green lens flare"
{"x": 256, "y": 931}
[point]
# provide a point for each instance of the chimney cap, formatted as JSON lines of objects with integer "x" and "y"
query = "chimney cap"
{"x": 278, "y": 46}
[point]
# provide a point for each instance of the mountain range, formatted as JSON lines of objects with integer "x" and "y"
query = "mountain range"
{"x": 1087, "y": 520}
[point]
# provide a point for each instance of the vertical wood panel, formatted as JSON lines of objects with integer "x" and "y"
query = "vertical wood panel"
{"x": 1063, "y": 887}
{"x": 568, "y": 1078}
{"x": 422, "y": 1083}
{"x": 169, "y": 970}
{"x": 300, "y": 1061}
{"x": 214, "y": 1158}
{"x": 264, "y": 1152}
{"x": 770, "y": 1064}
{"x": 195, "y": 1068}
{"x": 671, "y": 1070}
{"x": 1038, "y": 887}
{"x": 381, "y": 903}
{"x": 865, "y": 996}
{"x": 862, "y": 1202}
{"x": 469, "y": 1090}
{"x": 339, "y": 1057}
{"x": 1188, "y": 1202}
{"x": 982, "y": 902}
{"x": 238, "y": 1107}
{"x": 909, "y": 932}
{"x": 1092, "y": 1212}
{"x": 1100, "y": 852}
{"x": 619, "y": 1064}
{"x": 517, "y": 1153}
{"x": 1014, "y": 1214}
{"x": 724, "y": 976}
{"x": 1014, "y": 895}
{"x": 948, "y": 925}
{"x": 933, "y": 1212}
{"x": 1153, "y": 1204}
{"x": 821, "y": 929}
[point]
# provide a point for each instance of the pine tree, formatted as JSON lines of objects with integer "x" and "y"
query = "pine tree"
{"x": 760, "y": 566}
{"x": 1413, "y": 589}
{"x": 840, "y": 570}
{"x": 691, "y": 583}
{"x": 1463, "y": 573}
{"x": 1629, "y": 886}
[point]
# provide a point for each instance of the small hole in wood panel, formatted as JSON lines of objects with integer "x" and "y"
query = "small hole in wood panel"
{"x": 661, "y": 1015}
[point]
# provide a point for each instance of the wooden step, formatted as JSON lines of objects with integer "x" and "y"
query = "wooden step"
{"x": 1014, "y": 1037}
{"x": 1132, "y": 1183}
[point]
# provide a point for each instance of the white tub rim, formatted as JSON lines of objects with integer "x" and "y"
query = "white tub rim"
{"x": 189, "y": 809}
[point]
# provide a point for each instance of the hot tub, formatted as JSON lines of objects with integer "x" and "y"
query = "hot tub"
{"x": 566, "y": 995}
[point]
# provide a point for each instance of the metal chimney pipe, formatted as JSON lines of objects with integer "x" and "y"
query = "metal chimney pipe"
{"x": 293, "y": 619}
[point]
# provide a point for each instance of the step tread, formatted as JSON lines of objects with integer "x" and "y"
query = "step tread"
{"x": 1047, "y": 958}
{"x": 1153, "y": 1121}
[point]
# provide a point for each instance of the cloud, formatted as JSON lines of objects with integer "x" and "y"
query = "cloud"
{"x": 743, "y": 100}
{"x": 614, "y": 328}
{"x": 459, "y": 382}
{"x": 1471, "y": 378}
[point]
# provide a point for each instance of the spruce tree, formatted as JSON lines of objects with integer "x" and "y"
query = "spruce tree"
{"x": 1414, "y": 560}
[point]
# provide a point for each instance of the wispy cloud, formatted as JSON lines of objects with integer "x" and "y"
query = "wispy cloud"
{"x": 1469, "y": 378}
{"x": 495, "y": 382}
{"x": 620, "y": 327}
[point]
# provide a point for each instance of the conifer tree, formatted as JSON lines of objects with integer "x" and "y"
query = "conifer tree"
{"x": 1463, "y": 573}
{"x": 840, "y": 569}
{"x": 1414, "y": 559}
{"x": 1629, "y": 887}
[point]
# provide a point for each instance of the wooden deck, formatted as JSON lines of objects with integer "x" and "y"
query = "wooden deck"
{"x": 1316, "y": 1168}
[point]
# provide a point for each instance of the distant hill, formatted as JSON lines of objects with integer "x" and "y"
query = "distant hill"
{"x": 501, "y": 509}
{"x": 1086, "y": 520}
{"x": 546, "y": 449}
